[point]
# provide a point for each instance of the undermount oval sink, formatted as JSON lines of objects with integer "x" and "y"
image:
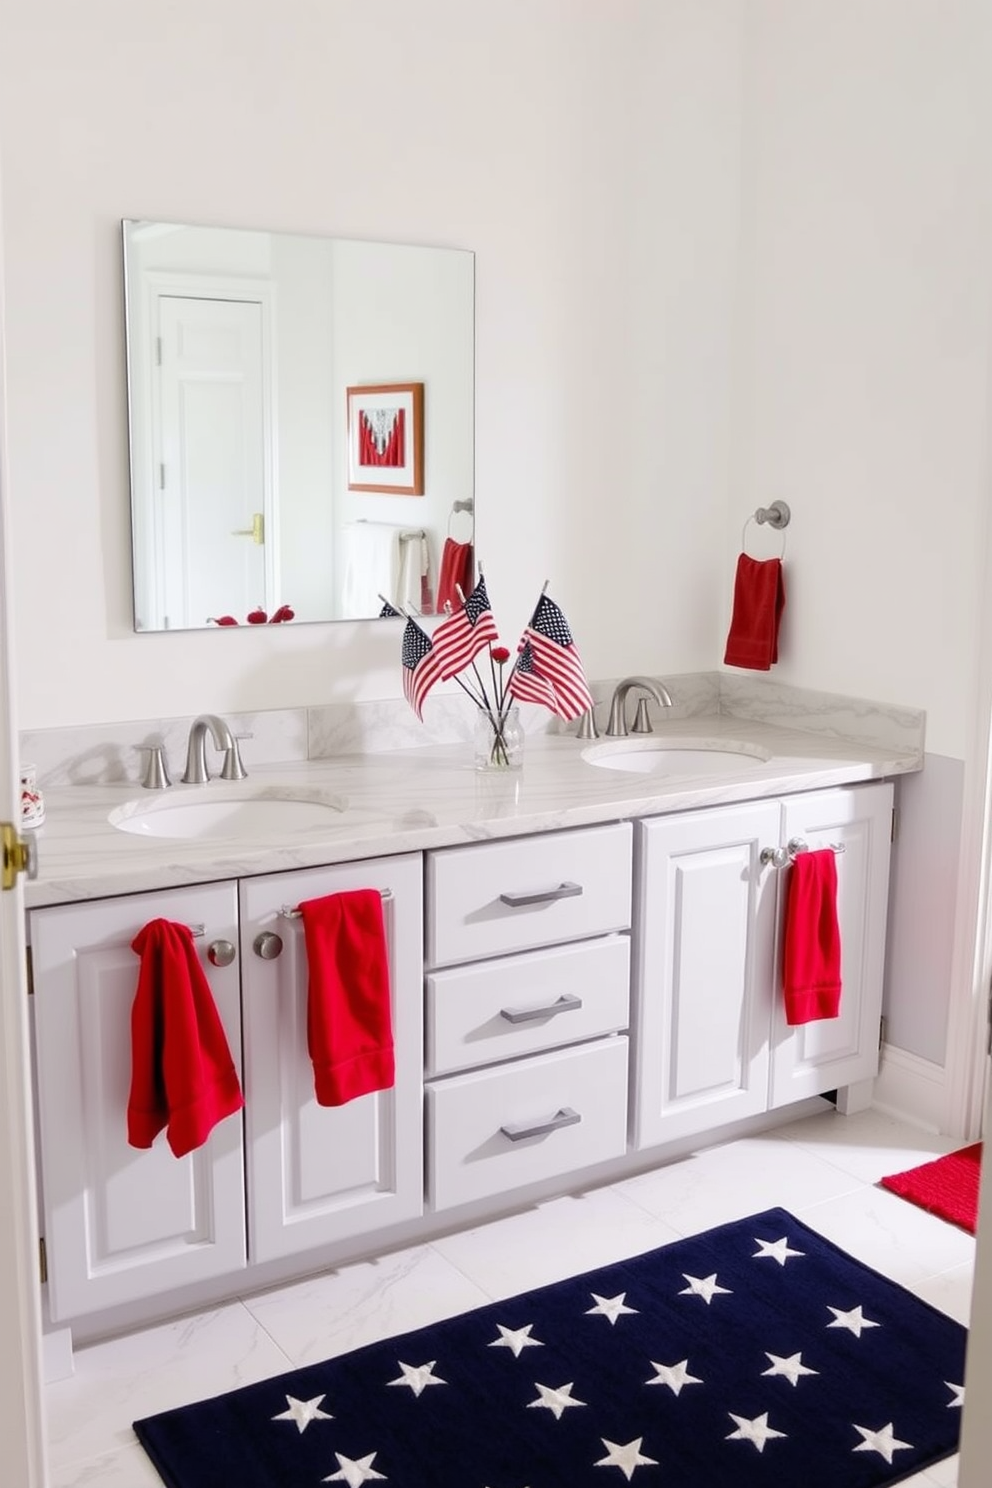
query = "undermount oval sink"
{"x": 678, "y": 757}
{"x": 235, "y": 816}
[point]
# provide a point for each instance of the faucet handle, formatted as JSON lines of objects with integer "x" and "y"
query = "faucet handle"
{"x": 642, "y": 718}
{"x": 233, "y": 768}
{"x": 156, "y": 776}
{"x": 587, "y": 725}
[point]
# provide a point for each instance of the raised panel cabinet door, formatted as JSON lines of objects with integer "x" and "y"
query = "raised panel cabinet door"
{"x": 831, "y": 1053}
{"x": 322, "y": 1174}
{"x": 123, "y": 1223}
{"x": 703, "y": 946}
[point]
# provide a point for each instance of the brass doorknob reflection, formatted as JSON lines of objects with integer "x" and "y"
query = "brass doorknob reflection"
{"x": 20, "y": 855}
{"x": 220, "y": 953}
{"x": 268, "y": 945}
{"x": 256, "y": 531}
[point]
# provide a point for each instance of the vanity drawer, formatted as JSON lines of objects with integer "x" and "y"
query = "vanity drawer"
{"x": 500, "y": 1129}
{"x": 499, "y": 897}
{"x": 525, "y": 1004}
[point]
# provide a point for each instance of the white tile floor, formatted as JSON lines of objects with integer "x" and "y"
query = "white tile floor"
{"x": 823, "y": 1169}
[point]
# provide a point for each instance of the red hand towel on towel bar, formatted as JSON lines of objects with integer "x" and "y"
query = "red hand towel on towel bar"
{"x": 182, "y": 1073}
{"x": 349, "y": 1025}
{"x": 759, "y": 599}
{"x": 811, "y": 962}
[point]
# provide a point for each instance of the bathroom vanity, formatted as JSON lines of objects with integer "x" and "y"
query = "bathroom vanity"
{"x": 585, "y": 969}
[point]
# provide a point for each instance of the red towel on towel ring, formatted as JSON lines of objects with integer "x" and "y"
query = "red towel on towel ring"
{"x": 759, "y": 599}
{"x": 182, "y": 1073}
{"x": 456, "y": 569}
{"x": 811, "y": 960}
{"x": 349, "y": 1024}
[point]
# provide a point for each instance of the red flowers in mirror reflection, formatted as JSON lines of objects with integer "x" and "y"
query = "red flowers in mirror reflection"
{"x": 255, "y": 617}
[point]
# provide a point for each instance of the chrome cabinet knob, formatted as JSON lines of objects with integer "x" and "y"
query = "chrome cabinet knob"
{"x": 220, "y": 953}
{"x": 773, "y": 857}
{"x": 268, "y": 945}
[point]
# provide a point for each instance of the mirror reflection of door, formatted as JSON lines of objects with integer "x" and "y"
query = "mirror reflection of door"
{"x": 211, "y": 439}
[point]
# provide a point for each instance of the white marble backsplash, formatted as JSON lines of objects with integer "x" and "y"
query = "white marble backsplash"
{"x": 113, "y": 753}
{"x": 764, "y": 700}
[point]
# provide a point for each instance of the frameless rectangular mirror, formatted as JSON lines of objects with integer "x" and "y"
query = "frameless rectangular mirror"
{"x": 301, "y": 424}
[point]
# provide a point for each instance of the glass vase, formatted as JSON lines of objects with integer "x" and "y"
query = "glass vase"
{"x": 499, "y": 739}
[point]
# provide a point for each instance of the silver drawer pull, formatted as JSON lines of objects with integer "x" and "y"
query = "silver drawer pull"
{"x": 566, "y": 1003}
{"x": 519, "y": 1129}
{"x": 543, "y": 896}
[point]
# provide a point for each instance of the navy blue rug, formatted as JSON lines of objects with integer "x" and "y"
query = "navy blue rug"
{"x": 757, "y": 1353}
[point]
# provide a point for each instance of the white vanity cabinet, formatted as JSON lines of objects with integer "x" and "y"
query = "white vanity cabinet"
{"x": 527, "y": 1000}
{"x": 575, "y": 999}
{"x": 837, "y": 1052}
{"x": 321, "y": 1174}
{"x": 709, "y": 1031}
{"x": 122, "y": 1223}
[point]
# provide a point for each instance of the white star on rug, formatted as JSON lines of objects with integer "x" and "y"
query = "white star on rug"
{"x": 775, "y": 1250}
{"x": 516, "y": 1339}
{"x": 673, "y": 1375}
{"x": 556, "y": 1401}
{"x": 855, "y": 1320}
{"x": 303, "y": 1412}
{"x": 626, "y": 1457}
{"x": 354, "y": 1473}
{"x": 704, "y": 1287}
{"x": 958, "y": 1400}
{"x": 790, "y": 1368}
{"x": 417, "y": 1377}
{"x": 883, "y": 1442}
{"x": 757, "y": 1431}
{"x": 610, "y": 1307}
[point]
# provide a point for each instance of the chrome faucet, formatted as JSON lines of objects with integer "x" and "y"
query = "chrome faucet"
{"x": 196, "y": 772}
{"x": 616, "y": 728}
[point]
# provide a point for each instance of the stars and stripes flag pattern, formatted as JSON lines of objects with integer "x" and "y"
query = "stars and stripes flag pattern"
{"x": 421, "y": 667}
{"x": 388, "y": 612}
{"x": 460, "y": 638}
{"x": 526, "y": 685}
{"x": 554, "y": 657}
{"x": 755, "y": 1355}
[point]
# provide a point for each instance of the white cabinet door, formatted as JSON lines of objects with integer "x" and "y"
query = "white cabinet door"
{"x": 319, "y": 1174}
{"x": 834, "y": 1052}
{"x": 703, "y": 947}
{"x": 122, "y": 1223}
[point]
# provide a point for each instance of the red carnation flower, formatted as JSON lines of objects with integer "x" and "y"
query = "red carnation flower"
{"x": 499, "y": 654}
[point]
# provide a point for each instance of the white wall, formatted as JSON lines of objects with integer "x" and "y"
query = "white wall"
{"x": 863, "y": 392}
{"x": 588, "y": 154}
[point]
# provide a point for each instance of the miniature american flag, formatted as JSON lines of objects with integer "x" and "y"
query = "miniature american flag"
{"x": 460, "y": 638}
{"x": 555, "y": 658}
{"x": 421, "y": 668}
{"x": 527, "y": 685}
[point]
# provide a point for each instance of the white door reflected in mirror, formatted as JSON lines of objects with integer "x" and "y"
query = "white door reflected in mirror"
{"x": 241, "y": 348}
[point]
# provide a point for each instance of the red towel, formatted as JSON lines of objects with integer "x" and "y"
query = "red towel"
{"x": 349, "y": 1025}
{"x": 811, "y": 963}
{"x": 456, "y": 568}
{"x": 759, "y": 599}
{"x": 182, "y": 1073}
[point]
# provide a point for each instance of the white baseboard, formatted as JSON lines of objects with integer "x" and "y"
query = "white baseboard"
{"x": 910, "y": 1087}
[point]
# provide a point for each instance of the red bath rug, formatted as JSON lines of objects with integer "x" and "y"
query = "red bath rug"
{"x": 947, "y": 1187}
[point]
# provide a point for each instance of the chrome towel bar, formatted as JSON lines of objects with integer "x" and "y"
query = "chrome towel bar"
{"x": 288, "y": 912}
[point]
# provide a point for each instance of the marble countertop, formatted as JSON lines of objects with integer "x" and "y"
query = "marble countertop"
{"x": 427, "y": 797}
